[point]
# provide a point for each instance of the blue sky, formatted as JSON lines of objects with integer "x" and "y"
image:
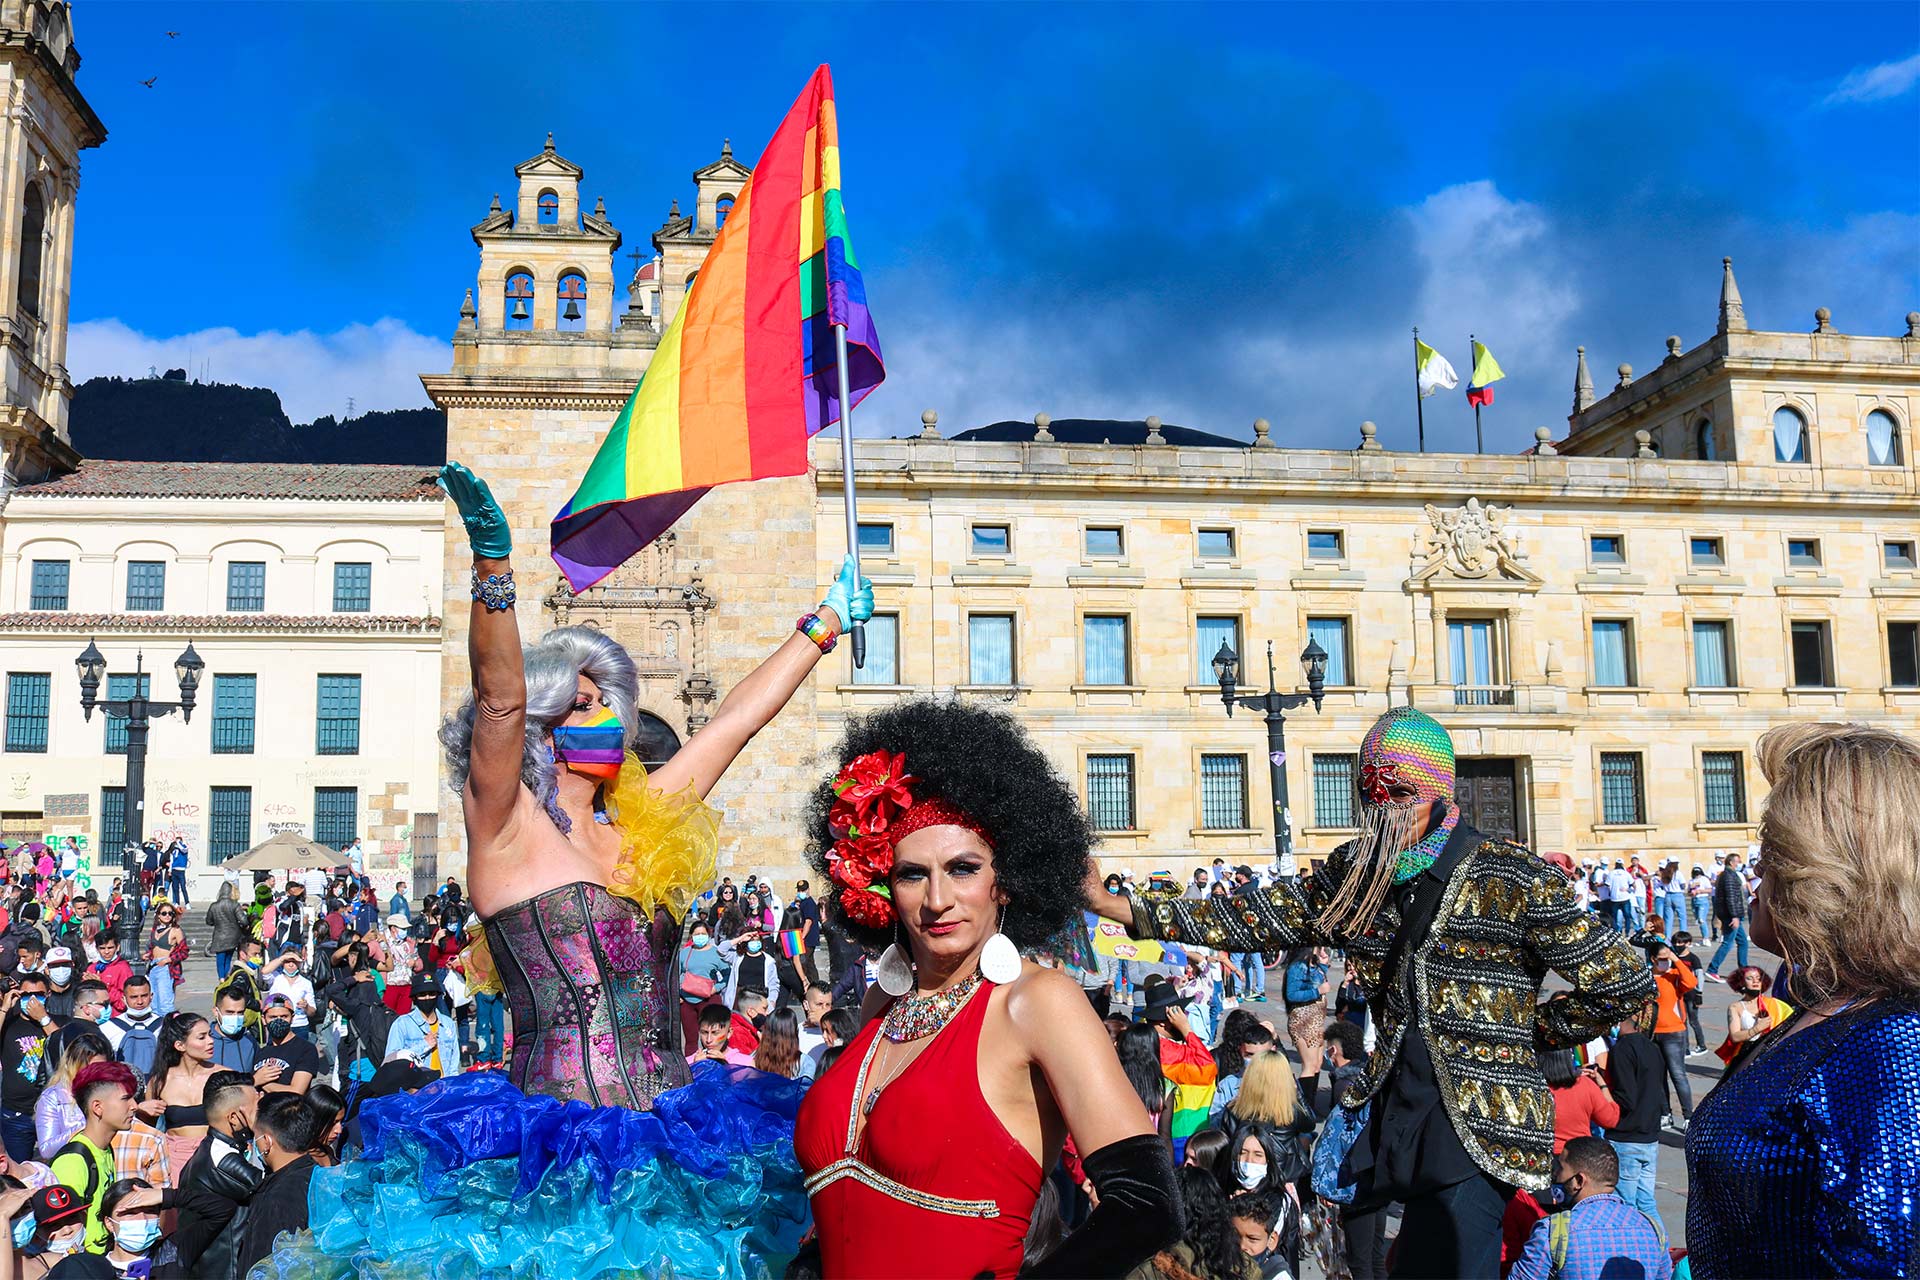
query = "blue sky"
{"x": 1208, "y": 213}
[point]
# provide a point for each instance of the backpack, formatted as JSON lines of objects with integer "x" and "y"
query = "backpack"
{"x": 85, "y": 1152}
{"x": 138, "y": 1046}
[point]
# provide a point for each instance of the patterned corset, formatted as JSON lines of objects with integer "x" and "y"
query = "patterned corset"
{"x": 591, "y": 986}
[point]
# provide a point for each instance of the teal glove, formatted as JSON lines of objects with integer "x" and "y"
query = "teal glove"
{"x": 850, "y": 597}
{"x": 486, "y": 523}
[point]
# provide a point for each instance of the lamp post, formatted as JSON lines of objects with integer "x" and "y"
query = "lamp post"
{"x": 1226, "y": 666}
{"x": 137, "y": 711}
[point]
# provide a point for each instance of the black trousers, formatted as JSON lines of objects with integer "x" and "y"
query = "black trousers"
{"x": 1453, "y": 1233}
{"x": 1366, "y": 1235}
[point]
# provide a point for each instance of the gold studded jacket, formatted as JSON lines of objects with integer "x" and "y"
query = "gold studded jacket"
{"x": 1505, "y": 918}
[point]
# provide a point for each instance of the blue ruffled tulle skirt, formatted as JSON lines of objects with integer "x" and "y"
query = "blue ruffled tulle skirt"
{"x": 470, "y": 1179}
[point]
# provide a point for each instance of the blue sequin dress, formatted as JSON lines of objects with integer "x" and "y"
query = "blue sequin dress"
{"x": 1805, "y": 1159}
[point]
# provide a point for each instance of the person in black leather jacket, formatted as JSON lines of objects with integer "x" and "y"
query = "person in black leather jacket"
{"x": 214, "y": 1188}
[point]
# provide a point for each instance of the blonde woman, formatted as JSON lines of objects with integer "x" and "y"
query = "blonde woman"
{"x": 1805, "y": 1159}
{"x": 1269, "y": 1130}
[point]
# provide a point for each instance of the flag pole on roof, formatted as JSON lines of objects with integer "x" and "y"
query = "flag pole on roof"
{"x": 1486, "y": 372}
{"x": 1431, "y": 373}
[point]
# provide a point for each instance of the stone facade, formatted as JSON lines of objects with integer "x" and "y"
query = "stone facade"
{"x": 1606, "y": 625}
{"x": 287, "y": 620}
{"x": 48, "y": 124}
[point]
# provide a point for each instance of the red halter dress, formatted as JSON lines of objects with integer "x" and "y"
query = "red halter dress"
{"x": 933, "y": 1185}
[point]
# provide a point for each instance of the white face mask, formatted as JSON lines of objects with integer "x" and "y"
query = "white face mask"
{"x": 60, "y": 974}
{"x": 232, "y": 1023}
{"x": 1250, "y": 1173}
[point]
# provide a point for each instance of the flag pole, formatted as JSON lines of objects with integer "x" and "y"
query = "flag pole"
{"x": 1479, "y": 445}
{"x": 1419, "y": 410}
{"x": 857, "y": 629}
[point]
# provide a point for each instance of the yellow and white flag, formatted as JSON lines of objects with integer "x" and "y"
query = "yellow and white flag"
{"x": 1435, "y": 373}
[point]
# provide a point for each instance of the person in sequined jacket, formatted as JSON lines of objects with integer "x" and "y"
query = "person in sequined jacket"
{"x": 1452, "y": 933}
{"x": 1805, "y": 1158}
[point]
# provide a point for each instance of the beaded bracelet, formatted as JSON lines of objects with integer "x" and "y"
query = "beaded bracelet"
{"x": 814, "y": 629}
{"x": 495, "y": 591}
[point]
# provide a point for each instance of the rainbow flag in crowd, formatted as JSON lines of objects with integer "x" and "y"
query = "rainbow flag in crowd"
{"x": 793, "y": 942}
{"x": 745, "y": 374}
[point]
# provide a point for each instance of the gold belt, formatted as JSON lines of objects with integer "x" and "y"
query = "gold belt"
{"x": 851, "y": 1167}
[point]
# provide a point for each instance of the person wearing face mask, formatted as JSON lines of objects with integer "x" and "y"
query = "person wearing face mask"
{"x": 23, "y": 1055}
{"x": 426, "y": 1035}
{"x": 133, "y": 1230}
{"x": 703, "y": 976}
{"x": 284, "y": 1133}
{"x": 60, "y": 975}
{"x": 755, "y": 970}
{"x": 90, "y": 1014}
{"x": 58, "y": 1229}
{"x": 235, "y": 1045}
{"x": 216, "y": 1183}
{"x": 1423, "y": 903}
{"x": 1589, "y": 1232}
{"x": 298, "y": 1062}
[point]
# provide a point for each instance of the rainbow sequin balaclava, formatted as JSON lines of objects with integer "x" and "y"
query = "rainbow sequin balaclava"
{"x": 1404, "y": 746}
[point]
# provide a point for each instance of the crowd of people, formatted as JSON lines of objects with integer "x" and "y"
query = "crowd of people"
{"x": 605, "y": 1057}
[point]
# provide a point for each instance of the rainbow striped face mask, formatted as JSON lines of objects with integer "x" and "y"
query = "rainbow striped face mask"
{"x": 595, "y": 748}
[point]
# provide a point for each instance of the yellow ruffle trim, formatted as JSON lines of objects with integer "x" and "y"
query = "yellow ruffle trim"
{"x": 669, "y": 844}
{"x": 669, "y": 852}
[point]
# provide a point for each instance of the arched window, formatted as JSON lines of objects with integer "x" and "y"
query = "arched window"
{"x": 519, "y": 301}
{"x": 33, "y": 230}
{"x": 1704, "y": 447}
{"x": 549, "y": 209}
{"x": 1789, "y": 435}
{"x": 572, "y": 301}
{"x": 721, "y": 208}
{"x": 654, "y": 740}
{"x": 1883, "y": 440}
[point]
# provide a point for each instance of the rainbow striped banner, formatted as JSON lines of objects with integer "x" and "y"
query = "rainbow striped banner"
{"x": 745, "y": 374}
{"x": 793, "y": 942}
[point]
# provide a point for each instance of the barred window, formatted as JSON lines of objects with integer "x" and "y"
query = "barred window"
{"x": 352, "y": 588}
{"x": 230, "y": 823}
{"x": 1623, "y": 800}
{"x": 1724, "y": 782}
{"x": 233, "y": 703}
{"x": 50, "y": 584}
{"x": 28, "y": 695}
{"x": 118, "y": 687}
{"x": 146, "y": 586}
{"x": 1110, "y": 792}
{"x": 1223, "y": 792}
{"x": 113, "y": 819}
{"x": 336, "y": 815}
{"x": 339, "y": 719}
{"x": 1333, "y": 790}
{"x": 246, "y": 586}
{"x": 883, "y": 650}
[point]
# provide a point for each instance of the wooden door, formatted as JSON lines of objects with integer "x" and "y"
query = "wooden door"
{"x": 1488, "y": 792}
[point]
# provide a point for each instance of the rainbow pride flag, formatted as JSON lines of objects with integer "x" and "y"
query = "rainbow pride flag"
{"x": 793, "y": 942}
{"x": 745, "y": 374}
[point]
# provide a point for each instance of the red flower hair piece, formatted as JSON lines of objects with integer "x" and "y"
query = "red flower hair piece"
{"x": 873, "y": 806}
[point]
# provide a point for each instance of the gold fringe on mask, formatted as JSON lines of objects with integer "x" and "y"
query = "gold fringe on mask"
{"x": 1387, "y": 829}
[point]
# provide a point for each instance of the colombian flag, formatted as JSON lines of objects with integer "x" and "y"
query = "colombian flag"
{"x": 745, "y": 374}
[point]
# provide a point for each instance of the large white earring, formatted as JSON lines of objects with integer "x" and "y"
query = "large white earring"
{"x": 894, "y": 972}
{"x": 1000, "y": 959}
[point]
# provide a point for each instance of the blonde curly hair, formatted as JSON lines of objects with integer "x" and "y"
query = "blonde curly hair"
{"x": 1840, "y": 856}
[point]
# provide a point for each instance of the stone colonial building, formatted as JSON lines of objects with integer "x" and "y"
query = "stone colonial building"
{"x": 1607, "y": 623}
{"x": 313, "y": 595}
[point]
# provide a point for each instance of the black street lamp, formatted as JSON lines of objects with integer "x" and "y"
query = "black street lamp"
{"x": 1226, "y": 666}
{"x": 137, "y": 711}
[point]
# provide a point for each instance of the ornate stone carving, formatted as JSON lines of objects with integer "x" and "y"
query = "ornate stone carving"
{"x": 1469, "y": 540}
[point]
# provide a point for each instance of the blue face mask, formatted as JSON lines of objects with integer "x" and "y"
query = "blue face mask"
{"x": 23, "y": 1231}
{"x": 137, "y": 1237}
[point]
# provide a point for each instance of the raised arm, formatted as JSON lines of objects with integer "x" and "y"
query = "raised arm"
{"x": 1610, "y": 978}
{"x": 493, "y": 654}
{"x": 1277, "y": 918}
{"x": 756, "y": 700}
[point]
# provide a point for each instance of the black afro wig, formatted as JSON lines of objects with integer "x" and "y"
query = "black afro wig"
{"x": 982, "y": 762}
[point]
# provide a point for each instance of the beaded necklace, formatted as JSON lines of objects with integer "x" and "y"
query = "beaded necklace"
{"x": 916, "y": 1017}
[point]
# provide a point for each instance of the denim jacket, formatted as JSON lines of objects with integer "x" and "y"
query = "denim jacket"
{"x": 409, "y": 1036}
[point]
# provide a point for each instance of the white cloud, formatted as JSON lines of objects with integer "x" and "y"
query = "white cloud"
{"x": 378, "y": 365}
{"x": 1876, "y": 84}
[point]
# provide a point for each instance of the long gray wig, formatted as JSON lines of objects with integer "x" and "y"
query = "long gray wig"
{"x": 554, "y": 666}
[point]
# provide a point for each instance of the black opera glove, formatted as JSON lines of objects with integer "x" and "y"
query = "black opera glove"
{"x": 1139, "y": 1213}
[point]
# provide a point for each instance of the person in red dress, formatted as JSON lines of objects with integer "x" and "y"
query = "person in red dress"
{"x": 950, "y": 841}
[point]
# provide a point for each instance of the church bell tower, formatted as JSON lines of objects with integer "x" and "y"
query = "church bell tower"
{"x": 46, "y": 127}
